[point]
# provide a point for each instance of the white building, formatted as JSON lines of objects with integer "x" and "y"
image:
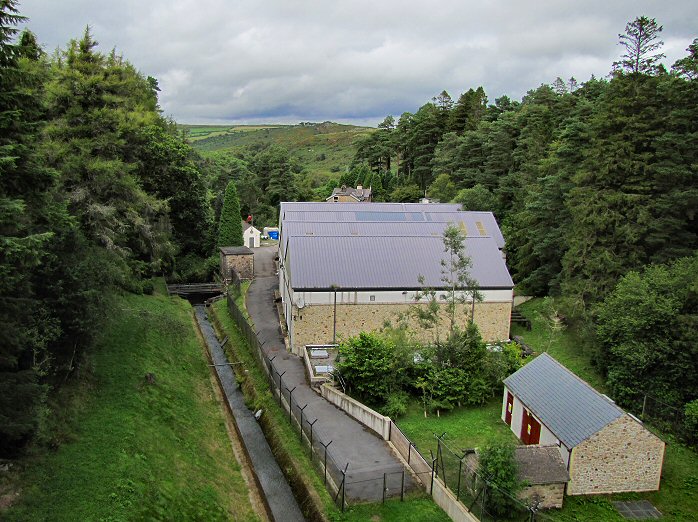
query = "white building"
{"x": 250, "y": 235}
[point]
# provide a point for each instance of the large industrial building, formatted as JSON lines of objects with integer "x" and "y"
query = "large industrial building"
{"x": 345, "y": 268}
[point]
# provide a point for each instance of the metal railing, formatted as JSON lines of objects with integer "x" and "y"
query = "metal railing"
{"x": 343, "y": 482}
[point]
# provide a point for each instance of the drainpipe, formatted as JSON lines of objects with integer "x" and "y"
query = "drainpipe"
{"x": 334, "y": 326}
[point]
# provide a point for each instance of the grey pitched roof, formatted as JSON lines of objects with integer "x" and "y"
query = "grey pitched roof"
{"x": 567, "y": 405}
{"x": 541, "y": 465}
{"x": 390, "y": 224}
{"x": 239, "y": 250}
{"x": 365, "y": 262}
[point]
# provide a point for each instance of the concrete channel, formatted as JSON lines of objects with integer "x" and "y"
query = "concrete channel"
{"x": 277, "y": 493}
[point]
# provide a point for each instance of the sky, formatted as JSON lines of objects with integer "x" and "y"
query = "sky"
{"x": 355, "y": 61}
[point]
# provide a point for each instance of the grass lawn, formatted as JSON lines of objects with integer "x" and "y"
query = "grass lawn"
{"x": 132, "y": 450}
{"x": 465, "y": 427}
{"x": 413, "y": 510}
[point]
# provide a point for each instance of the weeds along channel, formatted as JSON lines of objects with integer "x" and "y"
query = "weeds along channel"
{"x": 292, "y": 456}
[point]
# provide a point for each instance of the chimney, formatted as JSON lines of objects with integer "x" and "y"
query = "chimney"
{"x": 359, "y": 187}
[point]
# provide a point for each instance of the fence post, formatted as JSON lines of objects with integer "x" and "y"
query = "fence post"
{"x": 325, "y": 461}
{"x": 383, "y": 488}
{"x": 433, "y": 469}
{"x": 644, "y": 405}
{"x": 344, "y": 484}
{"x": 311, "y": 438}
{"x": 301, "y": 422}
{"x": 460, "y": 470}
{"x": 290, "y": 403}
{"x": 409, "y": 452}
{"x": 402, "y": 486}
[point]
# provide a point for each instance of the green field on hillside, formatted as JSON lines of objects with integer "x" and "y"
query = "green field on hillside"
{"x": 134, "y": 450}
{"x": 323, "y": 149}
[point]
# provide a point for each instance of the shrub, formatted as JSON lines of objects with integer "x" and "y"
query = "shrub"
{"x": 691, "y": 420}
{"x": 396, "y": 405}
{"x": 498, "y": 469}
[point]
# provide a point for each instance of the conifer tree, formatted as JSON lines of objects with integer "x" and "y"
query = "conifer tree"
{"x": 641, "y": 42}
{"x": 26, "y": 325}
{"x": 230, "y": 226}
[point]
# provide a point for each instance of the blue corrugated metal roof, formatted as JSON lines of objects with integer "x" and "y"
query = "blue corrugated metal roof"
{"x": 363, "y": 262}
{"x": 567, "y": 405}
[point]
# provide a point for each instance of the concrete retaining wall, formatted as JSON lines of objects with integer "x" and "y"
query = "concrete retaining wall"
{"x": 387, "y": 429}
{"x": 365, "y": 415}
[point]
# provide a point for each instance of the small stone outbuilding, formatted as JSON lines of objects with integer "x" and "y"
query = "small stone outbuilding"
{"x": 544, "y": 474}
{"x": 604, "y": 449}
{"x": 240, "y": 259}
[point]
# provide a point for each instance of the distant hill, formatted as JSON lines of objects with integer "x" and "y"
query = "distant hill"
{"x": 323, "y": 148}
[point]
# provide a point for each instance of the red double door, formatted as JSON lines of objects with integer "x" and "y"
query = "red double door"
{"x": 530, "y": 428}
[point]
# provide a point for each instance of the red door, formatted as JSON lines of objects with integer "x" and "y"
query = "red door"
{"x": 510, "y": 408}
{"x": 530, "y": 429}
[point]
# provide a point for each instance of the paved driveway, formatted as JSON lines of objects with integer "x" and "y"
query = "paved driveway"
{"x": 368, "y": 455}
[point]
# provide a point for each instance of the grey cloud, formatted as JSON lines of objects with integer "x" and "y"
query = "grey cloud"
{"x": 283, "y": 60}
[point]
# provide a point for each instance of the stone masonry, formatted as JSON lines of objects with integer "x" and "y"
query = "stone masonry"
{"x": 240, "y": 259}
{"x": 623, "y": 456}
{"x": 313, "y": 324}
{"x": 549, "y": 496}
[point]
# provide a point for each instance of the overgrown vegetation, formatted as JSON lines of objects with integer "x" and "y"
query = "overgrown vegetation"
{"x": 500, "y": 472}
{"x": 384, "y": 370}
{"x": 283, "y": 439}
{"x": 141, "y": 435}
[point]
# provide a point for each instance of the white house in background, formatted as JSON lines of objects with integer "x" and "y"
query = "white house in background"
{"x": 250, "y": 235}
{"x": 605, "y": 449}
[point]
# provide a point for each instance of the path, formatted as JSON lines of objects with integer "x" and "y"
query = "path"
{"x": 368, "y": 455}
{"x": 280, "y": 499}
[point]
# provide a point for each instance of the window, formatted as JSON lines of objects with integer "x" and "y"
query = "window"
{"x": 372, "y": 298}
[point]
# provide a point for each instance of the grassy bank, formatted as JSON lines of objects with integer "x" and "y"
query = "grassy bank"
{"x": 293, "y": 456}
{"x": 314, "y": 500}
{"x": 134, "y": 450}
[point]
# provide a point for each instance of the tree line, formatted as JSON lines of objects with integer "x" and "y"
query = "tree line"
{"x": 592, "y": 182}
{"x": 98, "y": 193}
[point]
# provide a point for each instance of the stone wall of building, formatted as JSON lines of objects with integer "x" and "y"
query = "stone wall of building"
{"x": 243, "y": 264}
{"x": 548, "y": 495}
{"x": 313, "y": 324}
{"x": 623, "y": 456}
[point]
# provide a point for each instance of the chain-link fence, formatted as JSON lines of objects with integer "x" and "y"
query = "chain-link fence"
{"x": 664, "y": 417}
{"x": 458, "y": 469}
{"x": 342, "y": 481}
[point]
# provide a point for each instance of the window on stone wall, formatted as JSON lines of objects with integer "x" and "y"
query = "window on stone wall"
{"x": 372, "y": 298}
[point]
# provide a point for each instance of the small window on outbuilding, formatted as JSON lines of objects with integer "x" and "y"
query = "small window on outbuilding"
{"x": 372, "y": 298}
